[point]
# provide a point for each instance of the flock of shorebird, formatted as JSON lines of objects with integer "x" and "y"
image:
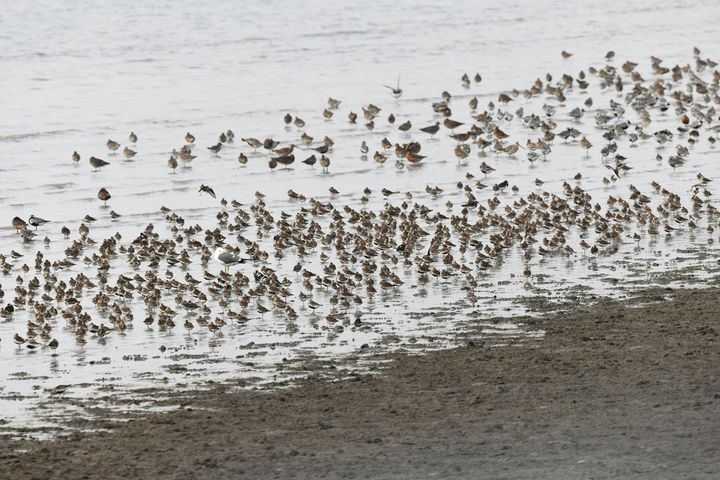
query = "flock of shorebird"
{"x": 330, "y": 259}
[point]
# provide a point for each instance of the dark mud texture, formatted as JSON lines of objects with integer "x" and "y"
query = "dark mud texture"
{"x": 614, "y": 390}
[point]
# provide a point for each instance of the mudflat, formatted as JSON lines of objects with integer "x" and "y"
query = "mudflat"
{"x": 616, "y": 389}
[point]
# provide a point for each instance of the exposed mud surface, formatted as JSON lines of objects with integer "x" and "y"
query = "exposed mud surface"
{"x": 625, "y": 389}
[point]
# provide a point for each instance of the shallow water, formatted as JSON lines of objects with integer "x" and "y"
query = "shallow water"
{"x": 77, "y": 75}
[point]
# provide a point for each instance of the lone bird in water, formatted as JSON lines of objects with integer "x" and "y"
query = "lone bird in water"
{"x": 206, "y": 189}
{"x": 104, "y": 195}
{"x": 98, "y": 163}
{"x": 227, "y": 258}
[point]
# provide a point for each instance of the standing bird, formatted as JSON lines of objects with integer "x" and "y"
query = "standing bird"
{"x": 76, "y": 156}
{"x": 189, "y": 137}
{"x": 172, "y": 163}
{"x": 129, "y": 153}
{"x": 215, "y": 148}
{"x": 104, "y": 195}
{"x": 452, "y": 124}
{"x": 112, "y": 145}
{"x": 206, "y": 189}
{"x": 324, "y": 163}
{"x": 18, "y": 223}
{"x": 132, "y": 137}
{"x": 227, "y": 258}
{"x": 98, "y": 163}
{"x": 36, "y": 221}
{"x": 431, "y": 129}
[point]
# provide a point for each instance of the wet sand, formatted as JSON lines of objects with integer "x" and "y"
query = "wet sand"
{"x": 625, "y": 389}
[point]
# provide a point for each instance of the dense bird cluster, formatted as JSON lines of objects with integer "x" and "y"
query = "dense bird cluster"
{"x": 326, "y": 260}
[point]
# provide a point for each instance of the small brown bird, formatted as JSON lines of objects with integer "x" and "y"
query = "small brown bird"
{"x": 129, "y": 153}
{"x": 76, "y": 156}
{"x": 253, "y": 142}
{"x": 324, "y": 163}
{"x": 104, "y": 195}
{"x": 18, "y": 223}
{"x": 189, "y": 137}
{"x": 499, "y": 134}
{"x": 566, "y": 54}
{"x": 413, "y": 157}
{"x": 352, "y": 116}
{"x": 504, "y": 98}
{"x": 452, "y": 124}
{"x": 585, "y": 143}
{"x": 287, "y": 119}
{"x": 327, "y": 114}
{"x": 112, "y": 145}
{"x": 310, "y": 160}
{"x": 242, "y": 159}
{"x": 379, "y": 157}
{"x": 172, "y": 163}
{"x": 98, "y": 163}
{"x": 405, "y": 126}
{"x": 431, "y": 129}
{"x": 132, "y": 137}
{"x": 206, "y": 189}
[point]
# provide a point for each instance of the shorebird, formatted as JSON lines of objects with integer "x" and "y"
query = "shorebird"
{"x": 227, "y": 258}
{"x": 242, "y": 159}
{"x": 36, "y": 221}
{"x": 397, "y": 91}
{"x": 98, "y": 163}
{"x": 18, "y": 223}
{"x": 431, "y": 129}
{"x": 499, "y": 134}
{"x": 132, "y": 137}
{"x": 270, "y": 144}
{"x": 112, "y": 145}
{"x": 76, "y": 156}
{"x": 485, "y": 168}
{"x": 104, "y": 195}
{"x": 253, "y": 142}
{"x": 413, "y": 157}
{"x": 215, "y": 148}
{"x": 364, "y": 149}
{"x": 172, "y": 163}
{"x": 405, "y": 126}
{"x": 452, "y": 124}
{"x": 324, "y": 163}
{"x": 206, "y": 189}
{"x": 129, "y": 153}
{"x": 334, "y": 104}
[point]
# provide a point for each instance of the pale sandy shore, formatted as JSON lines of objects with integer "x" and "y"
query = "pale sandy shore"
{"x": 615, "y": 390}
